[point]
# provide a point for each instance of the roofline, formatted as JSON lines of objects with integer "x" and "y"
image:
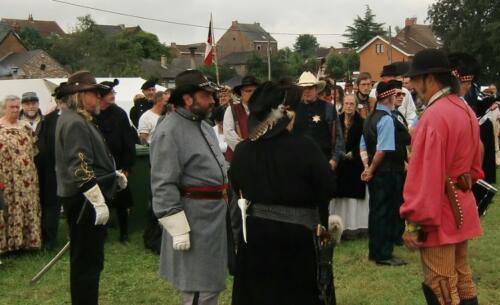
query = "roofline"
{"x": 385, "y": 40}
{"x": 266, "y": 41}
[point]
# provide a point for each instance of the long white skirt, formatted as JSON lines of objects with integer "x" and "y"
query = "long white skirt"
{"x": 354, "y": 212}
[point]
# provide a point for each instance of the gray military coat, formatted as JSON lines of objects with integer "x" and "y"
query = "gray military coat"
{"x": 184, "y": 153}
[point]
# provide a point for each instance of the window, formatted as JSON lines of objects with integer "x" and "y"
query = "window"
{"x": 379, "y": 48}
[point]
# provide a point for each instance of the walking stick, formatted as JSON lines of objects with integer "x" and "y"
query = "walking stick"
{"x": 60, "y": 254}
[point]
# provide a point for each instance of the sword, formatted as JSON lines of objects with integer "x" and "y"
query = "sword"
{"x": 60, "y": 254}
{"x": 243, "y": 204}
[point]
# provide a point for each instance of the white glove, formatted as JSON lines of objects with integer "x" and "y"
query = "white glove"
{"x": 335, "y": 227}
{"x": 178, "y": 227}
{"x": 121, "y": 180}
{"x": 95, "y": 197}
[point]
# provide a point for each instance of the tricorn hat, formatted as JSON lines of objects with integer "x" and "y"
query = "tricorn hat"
{"x": 248, "y": 80}
{"x": 79, "y": 82}
{"x": 268, "y": 111}
{"x": 190, "y": 81}
{"x": 148, "y": 84}
{"x": 429, "y": 61}
{"x": 464, "y": 66}
{"x": 111, "y": 85}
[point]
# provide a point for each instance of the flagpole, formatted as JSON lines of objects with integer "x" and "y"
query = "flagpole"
{"x": 215, "y": 51}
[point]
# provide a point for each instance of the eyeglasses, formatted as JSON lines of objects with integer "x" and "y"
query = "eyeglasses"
{"x": 400, "y": 94}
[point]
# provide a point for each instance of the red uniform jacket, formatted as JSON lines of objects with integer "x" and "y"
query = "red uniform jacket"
{"x": 445, "y": 143}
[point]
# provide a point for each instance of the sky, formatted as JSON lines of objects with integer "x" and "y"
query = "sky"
{"x": 290, "y": 16}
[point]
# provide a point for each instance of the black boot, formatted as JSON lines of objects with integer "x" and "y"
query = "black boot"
{"x": 472, "y": 301}
{"x": 430, "y": 296}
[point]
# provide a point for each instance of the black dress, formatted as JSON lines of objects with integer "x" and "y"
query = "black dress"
{"x": 278, "y": 264}
{"x": 349, "y": 184}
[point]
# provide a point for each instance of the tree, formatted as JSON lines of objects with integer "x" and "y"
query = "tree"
{"x": 257, "y": 66}
{"x": 306, "y": 45}
{"x": 341, "y": 66}
{"x": 363, "y": 29}
{"x": 33, "y": 40}
{"x": 149, "y": 44}
{"x": 471, "y": 26}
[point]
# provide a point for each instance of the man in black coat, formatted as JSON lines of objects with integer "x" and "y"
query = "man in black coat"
{"x": 119, "y": 135}
{"x": 143, "y": 105}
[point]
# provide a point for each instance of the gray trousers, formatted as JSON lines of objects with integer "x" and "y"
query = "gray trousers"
{"x": 200, "y": 298}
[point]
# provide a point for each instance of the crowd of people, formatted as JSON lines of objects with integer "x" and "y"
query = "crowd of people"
{"x": 264, "y": 178}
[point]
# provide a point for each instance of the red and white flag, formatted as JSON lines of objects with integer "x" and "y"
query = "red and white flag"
{"x": 209, "y": 51}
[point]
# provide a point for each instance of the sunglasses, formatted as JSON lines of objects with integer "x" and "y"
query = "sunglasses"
{"x": 400, "y": 94}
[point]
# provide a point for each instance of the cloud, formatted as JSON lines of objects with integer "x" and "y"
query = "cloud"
{"x": 292, "y": 16}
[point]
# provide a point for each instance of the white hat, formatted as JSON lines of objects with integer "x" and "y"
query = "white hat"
{"x": 307, "y": 79}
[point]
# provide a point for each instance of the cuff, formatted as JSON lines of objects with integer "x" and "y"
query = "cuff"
{"x": 176, "y": 224}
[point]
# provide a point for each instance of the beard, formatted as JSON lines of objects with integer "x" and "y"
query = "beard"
{"x": 31, "y": 114}
{"x": 202, "y": 113}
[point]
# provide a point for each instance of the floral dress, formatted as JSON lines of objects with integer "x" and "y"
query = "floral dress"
{"x": 20, "y": 219}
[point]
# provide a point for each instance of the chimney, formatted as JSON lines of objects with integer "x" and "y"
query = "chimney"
{"x": 410, "y": 21}
{"x": 257, "y": 23}
{"x": 30, "y": 17}
{"x": 234, "y": 23}
{"x": 191, "y": 55}
{"x": 163, "y": 61}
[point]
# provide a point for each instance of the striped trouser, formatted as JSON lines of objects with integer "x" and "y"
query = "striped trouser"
{"x": 200, "y": 298}
{"x": 447, "y": 273}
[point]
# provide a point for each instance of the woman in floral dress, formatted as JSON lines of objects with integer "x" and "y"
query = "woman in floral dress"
{"x": 20, "y": 217}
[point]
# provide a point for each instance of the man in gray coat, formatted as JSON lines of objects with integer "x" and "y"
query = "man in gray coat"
{"x": 189, "y": 183}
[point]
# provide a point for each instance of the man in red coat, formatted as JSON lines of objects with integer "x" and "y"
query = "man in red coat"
{"x": 439, "y": 208}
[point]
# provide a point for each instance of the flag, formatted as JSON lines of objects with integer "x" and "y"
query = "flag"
{"x": 209, "y": 52}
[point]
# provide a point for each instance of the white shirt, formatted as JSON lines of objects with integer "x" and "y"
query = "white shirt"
{"x": 230, "y": 135}
{"x": 407, "y": 107}
{"x": 147, "y": 124}
{"x": 220, "y": 138}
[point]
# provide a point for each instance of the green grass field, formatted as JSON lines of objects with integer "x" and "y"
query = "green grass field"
{"x": 130, "y": 274}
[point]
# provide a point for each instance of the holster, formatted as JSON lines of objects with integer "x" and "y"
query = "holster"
{"x": 463, "y": 183}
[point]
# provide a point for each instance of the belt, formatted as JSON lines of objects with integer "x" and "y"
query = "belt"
{"x": 215, "y": 192}
{"x": 307, "y": 217}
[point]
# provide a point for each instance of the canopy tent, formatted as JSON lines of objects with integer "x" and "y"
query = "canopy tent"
{"x": 125, "y": 91}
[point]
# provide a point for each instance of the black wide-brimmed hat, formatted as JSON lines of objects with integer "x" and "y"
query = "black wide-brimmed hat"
{"x": 59, "y": 91}
{"x": 386, "y": 89}
{"x": 389, "y": 70}
{"x": 248, "y": 80}
{"x": 429, "y": 61}
{"x": 464, "y": 66}
{"x": 188, "y": 82}
{"x": 268, "y": 111}
{"x": 80, "y": 81}
{"x": 150, "y": 83}
{"x": 402, "y": 67}
{"x": 110, "y": 85}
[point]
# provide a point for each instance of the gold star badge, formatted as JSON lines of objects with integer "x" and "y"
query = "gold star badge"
{"x": 316, "y": 119}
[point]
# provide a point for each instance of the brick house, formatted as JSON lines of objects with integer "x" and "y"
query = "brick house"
{"x": 382, "y": 50}
{"x": 45, "y": 28}
{"x": 10, "y": 42}
{"x": 240, "y": 41}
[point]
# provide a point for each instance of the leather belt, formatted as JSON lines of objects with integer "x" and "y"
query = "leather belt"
{"x": 205, "y": 192}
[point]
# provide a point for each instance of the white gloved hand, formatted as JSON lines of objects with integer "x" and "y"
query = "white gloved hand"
{"x": 181, "y": 242}
{"x": 335, "y": 227}
{"x": 95, "y": 197}
{"x": 121, "y": 180}
{"x": 178, "y": 227}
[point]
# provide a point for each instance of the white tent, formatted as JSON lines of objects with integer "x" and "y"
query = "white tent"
{"x": 125, "y": 91}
